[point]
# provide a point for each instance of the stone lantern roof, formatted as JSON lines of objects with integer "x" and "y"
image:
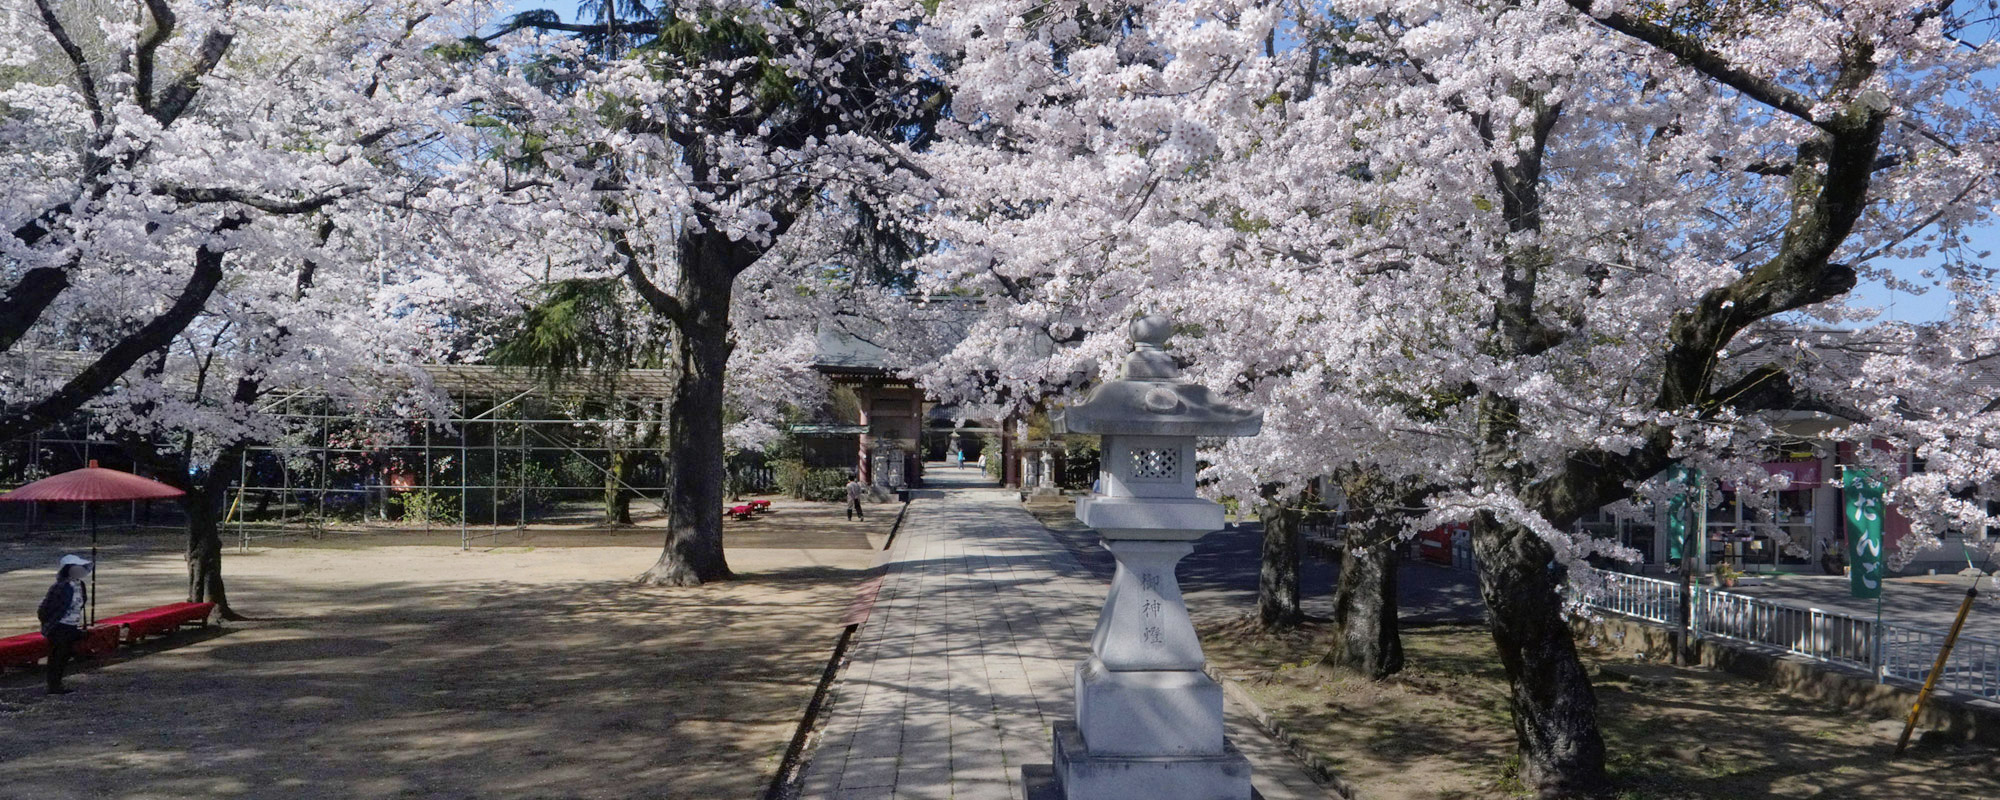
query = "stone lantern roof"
{"x": 1150, "y": 397}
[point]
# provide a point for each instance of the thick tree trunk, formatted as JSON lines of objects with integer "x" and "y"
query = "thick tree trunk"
{"x": 1555, "y": 710}
{"x": 1277, "y": 587}
{"x": 1278, "y": 578}
{"x": 693, "y": 553}
{"x": 205, "y": 507}
{"x": 1367, "y": 638}
{"x": 204, "y": 555}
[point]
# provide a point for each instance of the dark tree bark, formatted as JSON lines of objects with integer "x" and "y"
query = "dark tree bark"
{"x": 203, "y": 503}
{"x": 699, "y": 309}
{"x": 1555, "y": 709}
{"x": 1278, "y": 603}
{"x": 1367, "y": 637}
{"x": 24, "y": 303}
{"x": 115, "y": 362}
{"x": 205, "y": 507}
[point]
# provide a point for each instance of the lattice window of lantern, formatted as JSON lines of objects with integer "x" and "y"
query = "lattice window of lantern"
{"x": 1157, "y": 465}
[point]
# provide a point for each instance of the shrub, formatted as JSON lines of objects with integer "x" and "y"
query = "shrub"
{"x": 800, "y": 482}
{"x": 426, "y": 506}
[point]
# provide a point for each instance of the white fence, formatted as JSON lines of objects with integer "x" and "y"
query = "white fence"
{"x": 1894, "y": 652}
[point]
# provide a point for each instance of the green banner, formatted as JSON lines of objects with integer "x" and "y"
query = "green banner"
{"x": 1864, "y": 531}
{"x": 1681, "y": 511}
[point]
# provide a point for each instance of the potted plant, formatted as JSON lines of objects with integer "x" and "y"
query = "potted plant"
{"x": 1726, "y": 575}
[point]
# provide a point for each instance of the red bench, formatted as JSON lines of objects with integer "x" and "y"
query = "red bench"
{"x": 739, "y": 512}
{"x": 23, "y": 650}
{"x": 760, "y": 506}
{"x": 153, "y": 621}
{"x": 97, "y": 641}
{"x": 28, "y": 648}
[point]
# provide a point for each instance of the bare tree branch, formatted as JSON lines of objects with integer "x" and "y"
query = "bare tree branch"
{"x": 86, "y": 84}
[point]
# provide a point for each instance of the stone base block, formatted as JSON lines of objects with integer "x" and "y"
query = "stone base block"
{"x": 1157, "y": 713}
{"x": 1150, "y": 518}
{"x": 1084, "y": 775}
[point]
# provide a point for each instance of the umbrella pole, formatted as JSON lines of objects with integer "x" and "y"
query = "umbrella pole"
{"x": 93, "y": 563}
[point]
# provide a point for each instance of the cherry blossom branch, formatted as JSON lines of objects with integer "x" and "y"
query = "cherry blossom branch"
{"x": 664, "y": 304}
{"x": 149, "y": 47}
{"x": 180, "y": 94}
{"x": 1703, "y": 60}
{"x": 115, "y": 362}
{"x": 264, "y": 204}
{"x": 23, "y": 304}
{"x": 86, "y": 84}
{"x": 1927, "y": 222}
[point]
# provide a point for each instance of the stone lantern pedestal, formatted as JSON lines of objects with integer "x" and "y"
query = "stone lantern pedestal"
{"x": 1148, "y": 720}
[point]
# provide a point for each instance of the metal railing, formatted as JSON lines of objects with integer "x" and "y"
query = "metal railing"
{"x": 1894, "y": 652}
{"x": 1638, "y": 597}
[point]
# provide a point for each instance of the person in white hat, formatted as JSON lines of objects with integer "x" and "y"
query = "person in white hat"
{"x": 61, "y": 614}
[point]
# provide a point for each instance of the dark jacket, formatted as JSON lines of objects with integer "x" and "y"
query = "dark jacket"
{"x": 56, "y": 602}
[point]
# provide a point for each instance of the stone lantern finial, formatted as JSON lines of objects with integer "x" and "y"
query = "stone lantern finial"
{"x": 1150, "y": 360}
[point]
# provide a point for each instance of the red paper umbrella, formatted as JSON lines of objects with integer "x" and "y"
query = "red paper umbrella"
{"x": 93, "y": 483}
{"x": 88, "y": 485}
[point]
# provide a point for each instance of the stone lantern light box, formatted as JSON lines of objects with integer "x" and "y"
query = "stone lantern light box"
{"x": 1149, "y": 721}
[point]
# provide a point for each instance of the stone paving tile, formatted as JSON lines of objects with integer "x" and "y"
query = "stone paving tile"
{"x": 967, "y": 660}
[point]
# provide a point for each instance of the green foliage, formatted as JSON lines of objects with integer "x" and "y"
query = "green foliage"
{"x": 531, "y": 482}
{"x": 581, "y": 325}
{"x": 800, "y": 482}
{"x": 463, "y": 51}
{"x": 1081, "y": 461}
{"x": 426, "y": 506}
{"x": 577, "y": 470}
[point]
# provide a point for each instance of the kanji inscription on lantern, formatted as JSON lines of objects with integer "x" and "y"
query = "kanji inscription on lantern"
{"x": 1150, "y": 581}
{"x": 1150, "y": 609}
{"x": 1154, "y": 636}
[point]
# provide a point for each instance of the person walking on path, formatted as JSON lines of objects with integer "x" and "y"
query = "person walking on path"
{"x": 61, "y": 614}
{"x": 854, "y": 492}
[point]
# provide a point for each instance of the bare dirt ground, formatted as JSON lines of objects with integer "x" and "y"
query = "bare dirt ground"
{"x": 378, "y": 668}
{"x": 1441, "y": 728}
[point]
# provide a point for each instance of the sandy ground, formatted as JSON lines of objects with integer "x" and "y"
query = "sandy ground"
{"x": 1441, "y": 728}
{"x": 371, "y": 670}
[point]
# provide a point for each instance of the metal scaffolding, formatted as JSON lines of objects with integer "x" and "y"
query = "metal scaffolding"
{"x": 515, "y": 451}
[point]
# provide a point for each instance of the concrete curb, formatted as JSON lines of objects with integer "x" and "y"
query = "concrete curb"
{"x": 1315, "y": 764}
{"x": 897, "y": 527}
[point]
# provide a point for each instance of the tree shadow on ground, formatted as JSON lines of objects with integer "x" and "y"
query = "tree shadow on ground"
{"x": 449, "y": 690}
{"x": 1442, "y": 728}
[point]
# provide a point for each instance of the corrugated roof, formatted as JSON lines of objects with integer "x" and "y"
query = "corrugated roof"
{"x": 454, "y": 379}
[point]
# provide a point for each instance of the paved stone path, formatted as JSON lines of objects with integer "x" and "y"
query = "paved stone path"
{"x": 966, "y": 660}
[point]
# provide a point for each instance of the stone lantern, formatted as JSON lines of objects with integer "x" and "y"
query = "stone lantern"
{"x": 1148, "y": 720}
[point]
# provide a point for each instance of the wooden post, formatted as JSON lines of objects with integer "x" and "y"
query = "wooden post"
{"x": 1930, "y": 681}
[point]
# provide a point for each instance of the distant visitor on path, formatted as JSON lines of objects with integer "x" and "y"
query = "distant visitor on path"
{"x": 61, "y": 614}
{"x": 854, "y": 492}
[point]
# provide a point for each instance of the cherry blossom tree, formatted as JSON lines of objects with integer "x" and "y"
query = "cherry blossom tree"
{"x": 212, "y": 202}
{"x": 1525, "y": 255}
{"x": 706, "y": 139}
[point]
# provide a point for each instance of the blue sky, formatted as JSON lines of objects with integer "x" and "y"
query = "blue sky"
{"x": 1895, "y": 305}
